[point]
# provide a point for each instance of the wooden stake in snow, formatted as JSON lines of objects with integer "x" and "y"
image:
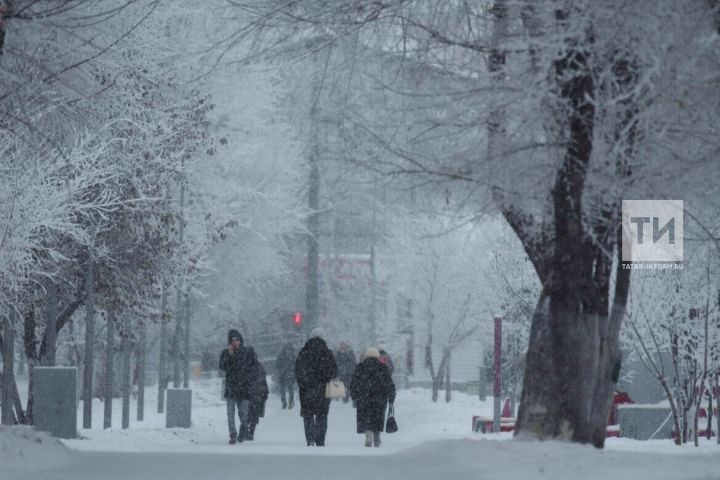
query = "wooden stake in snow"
{"x": 498, "y": 374}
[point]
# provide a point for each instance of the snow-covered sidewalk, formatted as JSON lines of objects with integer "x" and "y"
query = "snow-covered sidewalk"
{"x": 434, "y": 442}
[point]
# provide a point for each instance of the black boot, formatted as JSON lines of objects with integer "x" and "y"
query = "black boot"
{"x": 233, "y": 440}
{"x": 251, "y": 433}
{"x": 320, "y": 430}
{"x": 309, "y": 424}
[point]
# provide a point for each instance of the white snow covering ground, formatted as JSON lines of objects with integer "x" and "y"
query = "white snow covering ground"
{"x": 434, "y": 442}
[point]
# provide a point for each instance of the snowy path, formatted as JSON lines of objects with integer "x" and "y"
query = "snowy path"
{"x": 434, "y": 442}
{"x": 449, "y": 459}
{"x": 280, "y": 431}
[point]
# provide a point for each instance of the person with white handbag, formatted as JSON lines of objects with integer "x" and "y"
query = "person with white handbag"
{"x": 315, "y": 367}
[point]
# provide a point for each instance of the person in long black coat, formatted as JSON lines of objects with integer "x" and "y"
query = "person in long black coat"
{"x": 284, "y": 366}
{"x": 238, "y": 374}
{"x": 314, "y": 368}
{"x": 258, "y": 393}
{"x": 372, "y": 388}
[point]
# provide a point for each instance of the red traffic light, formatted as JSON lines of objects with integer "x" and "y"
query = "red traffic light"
{"x": 297, "y": 318}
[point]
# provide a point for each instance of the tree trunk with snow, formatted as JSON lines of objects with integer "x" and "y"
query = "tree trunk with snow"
{"x": 573, "y": 358}
{"x": 557, "y": 395}
{"x": 177, "y": 338}
{"x": 108, "y": 387}
{"x": 448, "y": 383}
{"x": 162, "y": 367}
{"x": 8, "y": 374}
{"x": 21, "y": 357}
{"x": 47, "y": 354}
{"x": 126, "y": 357}
{"x": 89, "y": 362}
{"x": 140, "y": 361}
{"x": 710, "y": 416}
{"x": 186, "y": 342}
{"x": 717, "y": 396}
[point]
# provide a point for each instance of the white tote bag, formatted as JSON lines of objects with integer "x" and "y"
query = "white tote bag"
{"x": 335, "y": 389}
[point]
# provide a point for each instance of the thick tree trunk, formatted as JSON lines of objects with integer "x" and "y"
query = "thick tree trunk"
{"x": 109, "y": 373}
{"x": 562, "y": 358}
{"x": 10, "y": 394}
{"x": 89, "y": 363}
{"x": 7, "y": 345}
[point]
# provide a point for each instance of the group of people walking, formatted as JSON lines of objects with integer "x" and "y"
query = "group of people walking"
{"x": 368, "y": 384}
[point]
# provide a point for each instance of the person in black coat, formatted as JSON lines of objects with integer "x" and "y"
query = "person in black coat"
{"x": 314, "y": 368}
{"x": 372, "y": 389}
{"x": 258, "y": 393}
{"x": 238, "y": 374}
{"x": 284, "y": 366}
{"x": 345, "y": 359}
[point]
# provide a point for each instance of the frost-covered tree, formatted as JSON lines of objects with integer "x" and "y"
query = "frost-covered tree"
{"x": 673, "y": 329}
{"x": 586, "y": 104}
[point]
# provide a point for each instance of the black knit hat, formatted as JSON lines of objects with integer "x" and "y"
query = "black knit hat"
{"x": 234, "y": 335}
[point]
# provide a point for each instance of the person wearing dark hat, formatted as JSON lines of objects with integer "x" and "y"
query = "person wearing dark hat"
{"x": 372, "y": 388}
{"x": 238, "y": 375}
{"x": 284, "y": 366}
{"x": 314, "y": 368}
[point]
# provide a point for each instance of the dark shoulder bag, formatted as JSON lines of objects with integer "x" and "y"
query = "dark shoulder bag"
{"x": 391, "y": 425}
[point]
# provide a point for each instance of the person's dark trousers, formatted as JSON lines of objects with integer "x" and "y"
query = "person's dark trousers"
{"x": 242, "y": 411}
{"x": 289, "y": 386}
{"x": 346, "y": 381}
{"x": 315, "y": 429}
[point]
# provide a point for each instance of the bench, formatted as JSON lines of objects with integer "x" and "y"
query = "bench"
{"x": 482, "y": 424}
{"x": 486, "y": 424}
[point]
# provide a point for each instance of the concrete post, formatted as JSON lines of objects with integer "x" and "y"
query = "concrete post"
{"x": 55, "y": 400}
